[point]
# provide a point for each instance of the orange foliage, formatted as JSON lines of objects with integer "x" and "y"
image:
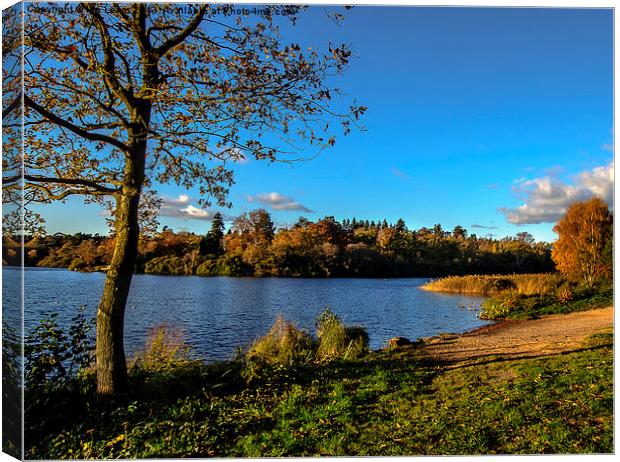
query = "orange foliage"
{"x": 583, "y": 234}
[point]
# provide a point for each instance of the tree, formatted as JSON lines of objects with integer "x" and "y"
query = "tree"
{"x": 217, "y": 226}
{"x": 387, "y": 239}
{"x": 212, "y": 242}
{"x": 526, "y": 237}
{"x": 438, "y": 232}
{"x": 584, "y": 234}
{"x": 262, "y": 227}
{"x": 302, "y": 222}
{"x": 121, "y": 97}
{"x": 459, "y": 232}
{"x": 400, "y": 226}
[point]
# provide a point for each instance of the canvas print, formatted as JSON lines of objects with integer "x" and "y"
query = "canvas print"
{"x": 251, "y": 230}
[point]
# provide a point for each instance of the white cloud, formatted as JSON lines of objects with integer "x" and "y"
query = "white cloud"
{"x": 181, "y": 207}
{"x": 278, "y": 201}
{"x": 475, "y": 225}
{"x": 183, "y": 199}
{"x": 195, "y": 212}
{"x": 546, "y": 198}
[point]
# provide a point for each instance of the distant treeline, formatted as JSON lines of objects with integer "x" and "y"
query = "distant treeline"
{"x": 324, "y": 248}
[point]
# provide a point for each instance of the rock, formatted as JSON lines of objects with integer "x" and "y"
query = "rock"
{"x": 398, "y": 342}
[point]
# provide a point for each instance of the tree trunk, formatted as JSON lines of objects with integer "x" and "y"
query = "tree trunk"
{"x": 110, "y": 351}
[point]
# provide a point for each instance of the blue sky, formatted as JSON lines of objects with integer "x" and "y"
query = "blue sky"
{"x": 493, "y": 119}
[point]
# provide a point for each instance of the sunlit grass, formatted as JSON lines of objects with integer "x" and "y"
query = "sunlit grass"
{"x": 392, "y": 402}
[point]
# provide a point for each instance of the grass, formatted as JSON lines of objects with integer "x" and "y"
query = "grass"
{"x": 391, "y": 402}
{"x": 512, "y": 305}
{"x": 526, "y": 284}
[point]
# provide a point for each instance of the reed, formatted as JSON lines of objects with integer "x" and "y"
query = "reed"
{"x": 338, "y": 341}
{"x": 524, "y": 284}
{"x": 165, "y": 348}
{"x": 285, "y": 343}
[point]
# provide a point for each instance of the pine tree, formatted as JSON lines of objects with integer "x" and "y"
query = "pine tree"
{"x": 212, "y": 242}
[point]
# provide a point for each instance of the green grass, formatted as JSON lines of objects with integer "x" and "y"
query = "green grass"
{"x": 516, "y": 306}
{"x": 392, "y": 402}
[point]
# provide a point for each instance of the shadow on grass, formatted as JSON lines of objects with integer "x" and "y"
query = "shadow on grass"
{"x": 498, "y": 358}
{"x": 216, "y": 389}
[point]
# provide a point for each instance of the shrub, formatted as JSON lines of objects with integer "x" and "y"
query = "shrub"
{"x": 59, "y": 382}
{"x": 174, "y": 266}
{"x": 284, "y": 344}
{"x": 500, "y": 307}
{"x": 165, "y": 349}
{"x": 77, "y": 264}
{"x": 53, "y": 357}
{"x": 512, "y": 304}
{"x": 357, "y": 341}
{"x": 564, "y": 294}
{"x": 208, "y": 268}
{"x": 165, "y": 369}
{"x": 11, "y": 391}
{"x": 338, "y": 341}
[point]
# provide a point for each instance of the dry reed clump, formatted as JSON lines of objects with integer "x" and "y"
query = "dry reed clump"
{"x": 537, "y": 284}
{"x": 525, "y": 284}
{"x": 286, "y": 344}
{"x": 338, "y": 341}
{"x": 165, "y": 348}
{"x": 564, "y": 294}
{"x": 283, "y": 344}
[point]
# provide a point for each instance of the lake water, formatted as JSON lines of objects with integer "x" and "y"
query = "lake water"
{"x": 219, "y": 314}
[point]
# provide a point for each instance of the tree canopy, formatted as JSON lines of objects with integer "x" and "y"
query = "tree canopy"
{"x": 121, "y": 97}
{"x": 320, "y": 248}
{"x": 582, "y": 252}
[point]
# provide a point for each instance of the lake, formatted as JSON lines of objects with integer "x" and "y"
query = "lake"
{"x": 219, "y": 314}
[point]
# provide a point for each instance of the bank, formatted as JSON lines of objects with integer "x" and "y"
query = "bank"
{"x": 399, "y": 401}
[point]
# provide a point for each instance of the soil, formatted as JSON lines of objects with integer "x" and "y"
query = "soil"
{"x": 548, "y": 335}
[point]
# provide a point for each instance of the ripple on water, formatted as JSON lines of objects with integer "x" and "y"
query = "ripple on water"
{"x": 219, "y": 314}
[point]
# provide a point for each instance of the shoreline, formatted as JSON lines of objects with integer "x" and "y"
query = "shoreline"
{"x": 352, "y": 276}
{"x": 513, "y": 339}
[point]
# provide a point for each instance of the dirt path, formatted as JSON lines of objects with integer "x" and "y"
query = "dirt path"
{"x": 548, "y": 335}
